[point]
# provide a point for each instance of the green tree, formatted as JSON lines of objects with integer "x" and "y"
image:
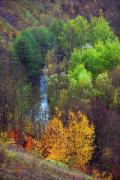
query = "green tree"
{"x": 101, "y": 57}
{"x": 104, "y": 86}
{"x": 56, "y": 84}
{"x": 100, "y": 30}
{"x": 75, "y": 34}
{"x": 26, "y": 52}
{"x": 45, "y": 40}
{"x": 56, "y": 28}
{"x": 53, "y": 90}
{"x": 80, "y": 81}
{"x": 31, "y": 46}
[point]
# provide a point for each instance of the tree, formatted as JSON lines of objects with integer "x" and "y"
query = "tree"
{"x": 56, "y": 28}
{"x": 14, "y": 92}
{"x": 80, "y": 77}
{"x": 31, "y": 46}
{"x": 101, "y": 57}
{"x": 112, "y": 54}
{"x": 26, "y": 52}
{"x": 72, "y": 144}
{"x": 104, "y": 86}
{"x": 78, "y": 32}
{"x": 54, "y": 141}
{"x": 74, "y": 34}
{"x": 100, "y": 30}
{"x": 75, "y": 59}
{"x": 55, "y": 84}
{"x": 80, "y": 81}
{"x": 106, "y": 121}
{"x": 45, "y": 40}
{"x": 80, "y": 139}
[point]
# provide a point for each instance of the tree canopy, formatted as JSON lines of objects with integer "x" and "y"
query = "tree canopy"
{"x": 31, "y": 46}
{"x": 101, "y": 57}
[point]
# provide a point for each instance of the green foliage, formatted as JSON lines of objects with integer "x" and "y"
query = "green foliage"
{"x": 22, "y": 96}
{"x": 96, "y": 60}
{"x": 56, "y": 28}
{"x": 100, "y": 30}
{"x": 76, "y": 58}
{"x": 103, "y": 81}
{"x": 26, "y": 52}
{"x": 55, "y": 84}
{"x": 45, "y": 40}
{"x": 99, "y": 58}
{"x": 95, "y": 52}
{"x": 75, "y": 34}
{"x": 104, "y": 86}
{"x": 31, "y": 46}
{"x": 78, "y": 33}
{"x": 80, "y": 77}
{"x": 58, "y": 164}
{"x": 80, "y": 80}
{"x": 52, "y": 89}
{"x": 112, "y": 54}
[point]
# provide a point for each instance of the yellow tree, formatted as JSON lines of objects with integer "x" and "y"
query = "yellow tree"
{"x": 54, "y": 141}
{"x": 73, "y": 144}
{"x": 80, "y": 139}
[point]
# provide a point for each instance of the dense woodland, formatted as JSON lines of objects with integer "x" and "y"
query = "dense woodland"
{"x": 76, "y": 45}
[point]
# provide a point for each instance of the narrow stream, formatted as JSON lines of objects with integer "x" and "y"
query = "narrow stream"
{"x": 43, "y": 106}
{"x": 39, "y": 106}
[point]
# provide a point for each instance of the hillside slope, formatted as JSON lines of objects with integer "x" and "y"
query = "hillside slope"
{"x": 16, "y": 164}
{"x": 17, "y": 15}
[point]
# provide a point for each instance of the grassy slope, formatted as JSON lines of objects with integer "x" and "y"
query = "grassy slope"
{"x": 13, "y": 17}
{"x": 18, "y": 15}
{"x": 15, "y": 164}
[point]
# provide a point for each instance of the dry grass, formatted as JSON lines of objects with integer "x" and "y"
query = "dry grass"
{"x": 17, "y": 164}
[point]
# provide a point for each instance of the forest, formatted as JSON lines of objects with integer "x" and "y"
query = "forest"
{"x": 59, "y": 89}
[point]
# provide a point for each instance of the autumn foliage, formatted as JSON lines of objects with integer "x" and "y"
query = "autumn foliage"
{"x": 72, "y": 144}
{"x": 81, "y": 137}
{"x": 20, "y": 139}
{"x": 52, "y": 141}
